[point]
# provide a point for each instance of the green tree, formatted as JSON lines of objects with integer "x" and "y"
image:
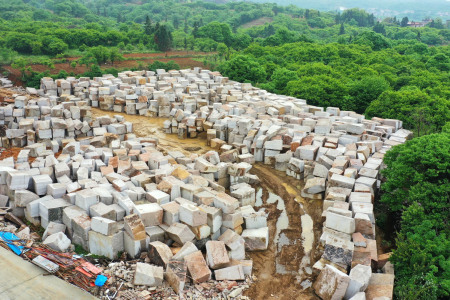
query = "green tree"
{"x": 222, "y": 49}
{"x": 21, "y": 64}
{"x": 163, "y": 38}
{"x": 115, "y": 55}
{"x": 417, "y": 184}
{"x": 366, "y": 90}
{"x": 418, "y": 171}
{"x": 243, "y": 68}
{"x": 404, "y": 22}
{"x": 372, "y": 39}
{"x": 322, "y": 90}
{"x": 56, "y": 46}
{"x": 342, "y": 29}
{"x": 379, "y": 28}
{"x": 421, "y": 258}
{"x": 280, "y": 79}
{"x": 148, "y": 28}
{"x": 417, "y": 110}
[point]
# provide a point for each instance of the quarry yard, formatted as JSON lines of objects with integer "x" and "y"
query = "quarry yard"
{"x": 187, "y": 185}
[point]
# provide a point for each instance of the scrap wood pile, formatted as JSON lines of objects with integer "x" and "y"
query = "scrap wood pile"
{"x": 68, "y": 266}
{"x": 73, "y": 269}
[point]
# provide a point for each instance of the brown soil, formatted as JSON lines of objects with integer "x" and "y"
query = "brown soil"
{"x": 269, "y": 284}
{"x": 14, "y": 152}
{"x": 183, "y": 62}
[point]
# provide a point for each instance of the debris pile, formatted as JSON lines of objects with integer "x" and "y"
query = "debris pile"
{"x": 103, "y": 188}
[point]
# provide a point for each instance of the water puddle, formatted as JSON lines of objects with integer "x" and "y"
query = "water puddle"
{"x": 259, "y": 201}
{"x": 307, "y": 232}
{"x": 283, "y": 220}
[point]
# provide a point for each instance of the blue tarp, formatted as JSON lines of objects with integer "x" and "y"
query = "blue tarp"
{"x": 10, "y": 239}
{"x": 100, "y": 280}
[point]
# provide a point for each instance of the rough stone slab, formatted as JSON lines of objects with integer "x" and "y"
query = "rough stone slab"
{"x": 148, "y": 275}
{"x": 331, "y": 284}
{"x": 197, "y": 267}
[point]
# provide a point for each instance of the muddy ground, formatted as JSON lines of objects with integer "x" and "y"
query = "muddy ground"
{"x": 286, "y": 267}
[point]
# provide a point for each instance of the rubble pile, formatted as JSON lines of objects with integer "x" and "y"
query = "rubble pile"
{"x": 113, "y": 191}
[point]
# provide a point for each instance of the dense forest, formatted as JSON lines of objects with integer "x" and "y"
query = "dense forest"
{"x": 351, "y": 59}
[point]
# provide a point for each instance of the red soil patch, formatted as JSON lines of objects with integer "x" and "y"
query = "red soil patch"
{"x": 183, "y": 62}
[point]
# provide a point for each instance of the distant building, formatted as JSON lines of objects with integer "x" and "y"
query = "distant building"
{"x": 419, "y": 24}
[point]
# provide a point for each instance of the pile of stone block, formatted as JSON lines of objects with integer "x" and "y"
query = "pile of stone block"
{"x": 129, "y": 196}
{"x": 45, "y": 125}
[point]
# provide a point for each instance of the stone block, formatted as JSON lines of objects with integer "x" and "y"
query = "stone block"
{"x": 331, "y": 283}
{"x": 171, "y": 212}
{"x": 216, "y": 254}
{"x": 380, "y": 285}
{"x": 338, "y": 251}
{"x": 187, "y": 249}
{"x": 180, "y": 233}
{"x": 52, "y": 210}
{"x": 104, "y": 226}
{"x": 159, "y": 253}
{"x": 106, "y": 245}
{"x": 134, "y": 226}
{"x": 151, "y": 214}
{"x": 214, "y": 217}
{"x": 157, "y": 196}
{"x": 256, "y": 239}
{"x": 359, "y": 280}
{"x": 40, "y": 183}
{"x": 227, "y": 203}
{"x": 235, "y": 272}
{"x": 85, "y": 199}
{"x": 133, "y": 246}
{"x": 53, "y": 228}
{"x": 175, "y": 275}
{"x": 341, "y": 181}
{"x": 148, "y": 275}
{"x": 363, "y": 224}
{"x": 340, "y": 223}
{"x": 315, "y": 185}
{"x": 155, "y": 233}
{"x": 102, "y": 210}
{"x": 58, "y": 242}
{"x": 56, "y": 190}
{"x": 192, "y": 215}
{"x": 197, "y": 267}
{"x": 23, "y": 197}
{"x": 17, "y": 180}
